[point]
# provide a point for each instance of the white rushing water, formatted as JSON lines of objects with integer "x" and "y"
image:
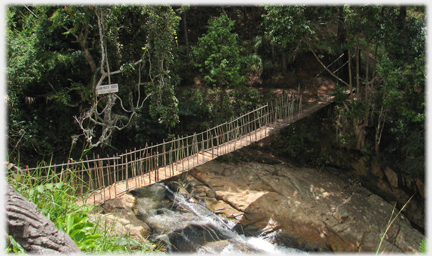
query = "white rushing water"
{"x": 189, "y": 227}
{"x": 270, "y": 248}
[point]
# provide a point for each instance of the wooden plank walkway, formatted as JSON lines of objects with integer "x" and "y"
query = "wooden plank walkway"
{"x": 200, "y": 158}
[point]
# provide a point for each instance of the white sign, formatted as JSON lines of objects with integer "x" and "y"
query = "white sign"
{"x": 109, "y": 88}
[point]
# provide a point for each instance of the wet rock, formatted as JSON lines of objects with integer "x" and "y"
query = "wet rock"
{"x": 210, "y": 193}
{"x": 221, "y": 207}
{"x": 192, "y": 237}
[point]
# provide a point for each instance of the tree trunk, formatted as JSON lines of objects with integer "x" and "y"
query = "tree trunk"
{"x": 342, "y": 39}
{"x": 379, "y": 130}
{"x": 402, "y": 17}
{"x": 273, "y": 53}
{"x": 284, "y": 62}
{"x": 367, "y": 70}
{"x": 82, "y": 39}
{"x": 350, "y": 87}
{"x": 32, "y": 229}
{"x": 358, "y": 92}
{"x": 360, "y": 124}
{"x": 186, "y": 34}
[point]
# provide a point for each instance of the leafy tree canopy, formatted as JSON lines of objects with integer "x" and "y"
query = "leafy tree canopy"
{"x": 219, "y": 54}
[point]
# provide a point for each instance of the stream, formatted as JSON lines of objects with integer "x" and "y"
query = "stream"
{"x": 185, "y": 225}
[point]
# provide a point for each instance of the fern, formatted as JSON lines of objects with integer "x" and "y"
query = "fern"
{"x": 423, "y": 246}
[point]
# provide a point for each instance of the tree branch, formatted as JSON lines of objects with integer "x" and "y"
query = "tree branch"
{"x": 82, "y": 39}
{"x": 324, "y": 66}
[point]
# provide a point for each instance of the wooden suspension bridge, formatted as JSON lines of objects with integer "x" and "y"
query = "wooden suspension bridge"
{"x": 101, "y": 179}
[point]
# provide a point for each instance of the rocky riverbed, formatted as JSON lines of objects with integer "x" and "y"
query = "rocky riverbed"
{"x": 291, "y": 206}
{"x": 309, "y": 209}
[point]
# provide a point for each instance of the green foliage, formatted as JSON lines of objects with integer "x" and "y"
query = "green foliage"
{"x": 41, "y": 65}
{"x": 80, "y": 230}
{"x": 194, "y": 111}
{"x": 219, "y": 55}
{"x": 301, "y": 144}
{"x": 245, "y": 99}
{"x": 50, "y": 77}
{"x": 403, "y": 91}
{"x": 53, "y": 196}
{"x": 394, "y": 38}
{"x": 339, "y": 94}
{"x": 56, "y": 199}
{"x": 162, "y": 23}
{"x": 357, "y": 108}
{"x": 54, "y": 60}
{"x": 298, "y": 143}
{"x": 287, "y": 24}
{"x": 423, "y": 246}
{"x": 13, "y": 246}
{"x": 225, "y": 64}
{"x": 406, "y": 148}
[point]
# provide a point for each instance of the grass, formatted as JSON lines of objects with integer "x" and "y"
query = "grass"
{"x": 56, "y": 198}
{"x": 390, "y": 223}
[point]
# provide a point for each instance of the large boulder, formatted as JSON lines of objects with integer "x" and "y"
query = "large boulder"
{"x": 120, "y": 219}
{"x": 313, "y": 210}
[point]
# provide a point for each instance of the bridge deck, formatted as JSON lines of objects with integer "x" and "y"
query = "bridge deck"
{"x": 183, "y": 165}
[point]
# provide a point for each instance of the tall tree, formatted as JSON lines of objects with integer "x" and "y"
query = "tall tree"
{"x": 162, "y": 24}
{"x": 44, "y": 70}
{"x": 58, "y": 55}
{"x": 384, "y": 51}
{"x": 219, "y": 54}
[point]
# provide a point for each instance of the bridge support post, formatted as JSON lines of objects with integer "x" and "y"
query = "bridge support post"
{"x": 212, "y": 148}
{"x": 115, "y": 176}
{"x": 127, "y": 173}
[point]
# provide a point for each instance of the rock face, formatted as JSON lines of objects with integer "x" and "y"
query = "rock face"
{"x": 311, "y": 210}
{"x": 118, "y": 215}
{"x": 386, "y": 183}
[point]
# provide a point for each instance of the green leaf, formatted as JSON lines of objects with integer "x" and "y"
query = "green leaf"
{"x": 423, "y": 246}
{"x": 77, "y": 235}
{"x": 123, "y": 241}
{"x": 70, "y": 219}
{"x": 40, "y": 188}
{"x": 49, "y": 186}
{"x": 93, "y": 237}
{"x": 59, "y": 185}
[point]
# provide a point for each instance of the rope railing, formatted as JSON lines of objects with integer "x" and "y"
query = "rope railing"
{"x": 136, "y": 168}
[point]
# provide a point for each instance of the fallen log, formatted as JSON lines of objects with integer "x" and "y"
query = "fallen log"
{"x": 32, "y": 229}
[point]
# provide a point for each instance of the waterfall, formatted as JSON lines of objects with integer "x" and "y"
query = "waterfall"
{"x": 186, "y": 225}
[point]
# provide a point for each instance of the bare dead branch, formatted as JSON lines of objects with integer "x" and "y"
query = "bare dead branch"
{"x": 324, "y": 66}
{"x": 106, "y": 118}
